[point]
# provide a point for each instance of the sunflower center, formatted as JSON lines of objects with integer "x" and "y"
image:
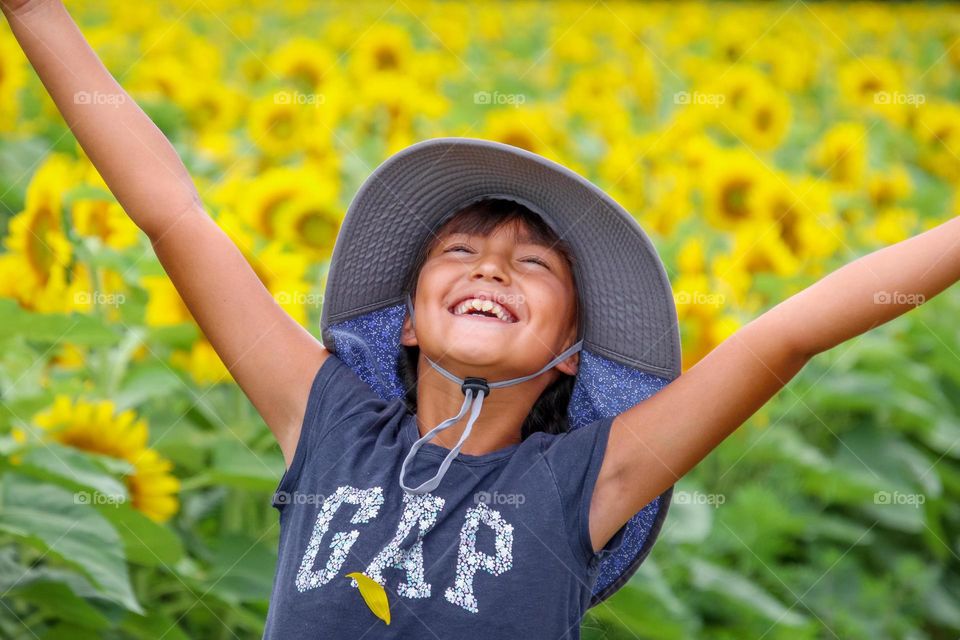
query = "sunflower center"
{"x": 315, "y": 228}
{"x": 763, "y": 119}
{"x": 734, "y": 198}
{"x": 281, "y": 125}
{"x": 386, "y": 58}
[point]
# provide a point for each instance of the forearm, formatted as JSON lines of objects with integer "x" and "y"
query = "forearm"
{"x": 135, "y": 159}
{"x": 871, "y": 290}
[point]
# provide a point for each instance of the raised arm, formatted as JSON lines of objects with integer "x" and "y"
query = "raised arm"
{"x": 656, "y": 442}
{"x": 268, "y": 353}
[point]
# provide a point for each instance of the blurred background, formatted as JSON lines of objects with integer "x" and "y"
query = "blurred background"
{"x": 760, "y": 146}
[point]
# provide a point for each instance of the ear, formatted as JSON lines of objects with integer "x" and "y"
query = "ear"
{"x": 571, "y": 365}
{"x": 408, "y": 337}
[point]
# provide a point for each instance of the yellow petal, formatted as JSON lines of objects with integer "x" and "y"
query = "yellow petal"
{"x": 373, "y": 594}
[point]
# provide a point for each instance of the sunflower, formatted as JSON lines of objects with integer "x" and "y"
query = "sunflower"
{"x": 842, "y": 154}
{"x": 937, "y": 128}
{"x": 259, "y": 201}
{"x": 98, "y": 428}
{"x": 802, "y": 210}
{"x": 49, "y": 279}
{"x": 790, "y": 59}
{"x": 621, "y": 171}
{"x": 383, "y": 48}
{"x": 12, "y": 79}
{"x": 213, "y": 106}
{"x": 535, "y": 128}
{"x": 703, "y": 334}
{"x": 875, "y": 84}
{"x": 762, "y": 118}
{"x": 310, "y": 220}
{"x": 889, "y": 226}
{"x": 886, "y": 188}
{"x": 278, "y": 124}
{"x": 731, "y": 181}
{"x": 105, "y": 220}
{"x": 164, "y": 305}
{"x": 668, "y": 197}
{"x": 202, "y": 363}
{"x": 760, "y": 249}
{"x": 306, "y": 62}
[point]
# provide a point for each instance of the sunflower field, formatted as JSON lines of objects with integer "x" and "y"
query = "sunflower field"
{"x": 760, "y": 145}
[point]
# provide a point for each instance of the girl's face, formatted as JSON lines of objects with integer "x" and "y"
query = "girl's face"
{"x": 532, "y": 283}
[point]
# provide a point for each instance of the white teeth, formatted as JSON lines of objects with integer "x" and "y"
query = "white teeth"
{"x": 483, "y": 305}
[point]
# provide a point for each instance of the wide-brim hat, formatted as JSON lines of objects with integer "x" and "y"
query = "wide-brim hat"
{"x": 631, "y": 337}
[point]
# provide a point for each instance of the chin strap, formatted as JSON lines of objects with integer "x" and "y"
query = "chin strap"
{"x": 474, "y": 390}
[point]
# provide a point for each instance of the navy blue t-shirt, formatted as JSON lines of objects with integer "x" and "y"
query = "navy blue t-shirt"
{"x": 500, "y": 549}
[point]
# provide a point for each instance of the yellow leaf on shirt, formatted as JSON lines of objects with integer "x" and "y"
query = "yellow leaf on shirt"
{"x": 373, "y": 594}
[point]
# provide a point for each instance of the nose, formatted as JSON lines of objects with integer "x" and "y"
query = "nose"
{"x": 490, "y": 267}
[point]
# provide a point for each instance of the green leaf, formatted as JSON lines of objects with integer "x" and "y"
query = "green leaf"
{"x": 731, "y": 585}
{"x": 145, "y": 382}
{"x": 237, "y": 465}
{"x": 154, "y": 625}
{"x": 58, "y": 599}
{"x": 242, "y": 569}
{"x": 145, "y": 542}
{"x": 73, "y": 469}
{"x": 47, "y": 517}
{"x": 77, "y": 328}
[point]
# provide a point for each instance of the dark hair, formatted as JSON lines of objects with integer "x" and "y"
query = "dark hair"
{"x": 549, "y": 412}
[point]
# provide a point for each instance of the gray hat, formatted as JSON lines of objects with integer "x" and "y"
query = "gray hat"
{"x": 629, "y": 337}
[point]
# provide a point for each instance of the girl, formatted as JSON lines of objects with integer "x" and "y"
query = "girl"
{"x": 467, "y": 275}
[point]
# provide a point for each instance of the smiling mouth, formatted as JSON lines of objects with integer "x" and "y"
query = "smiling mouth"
{"x": 482, "y": 310}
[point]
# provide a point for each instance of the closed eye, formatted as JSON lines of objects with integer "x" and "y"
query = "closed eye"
{"x": 537, "y": 261}
{"x": 463, "y": 247}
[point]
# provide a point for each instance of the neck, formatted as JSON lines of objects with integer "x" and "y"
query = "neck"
{"x": 499, "y": 423}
